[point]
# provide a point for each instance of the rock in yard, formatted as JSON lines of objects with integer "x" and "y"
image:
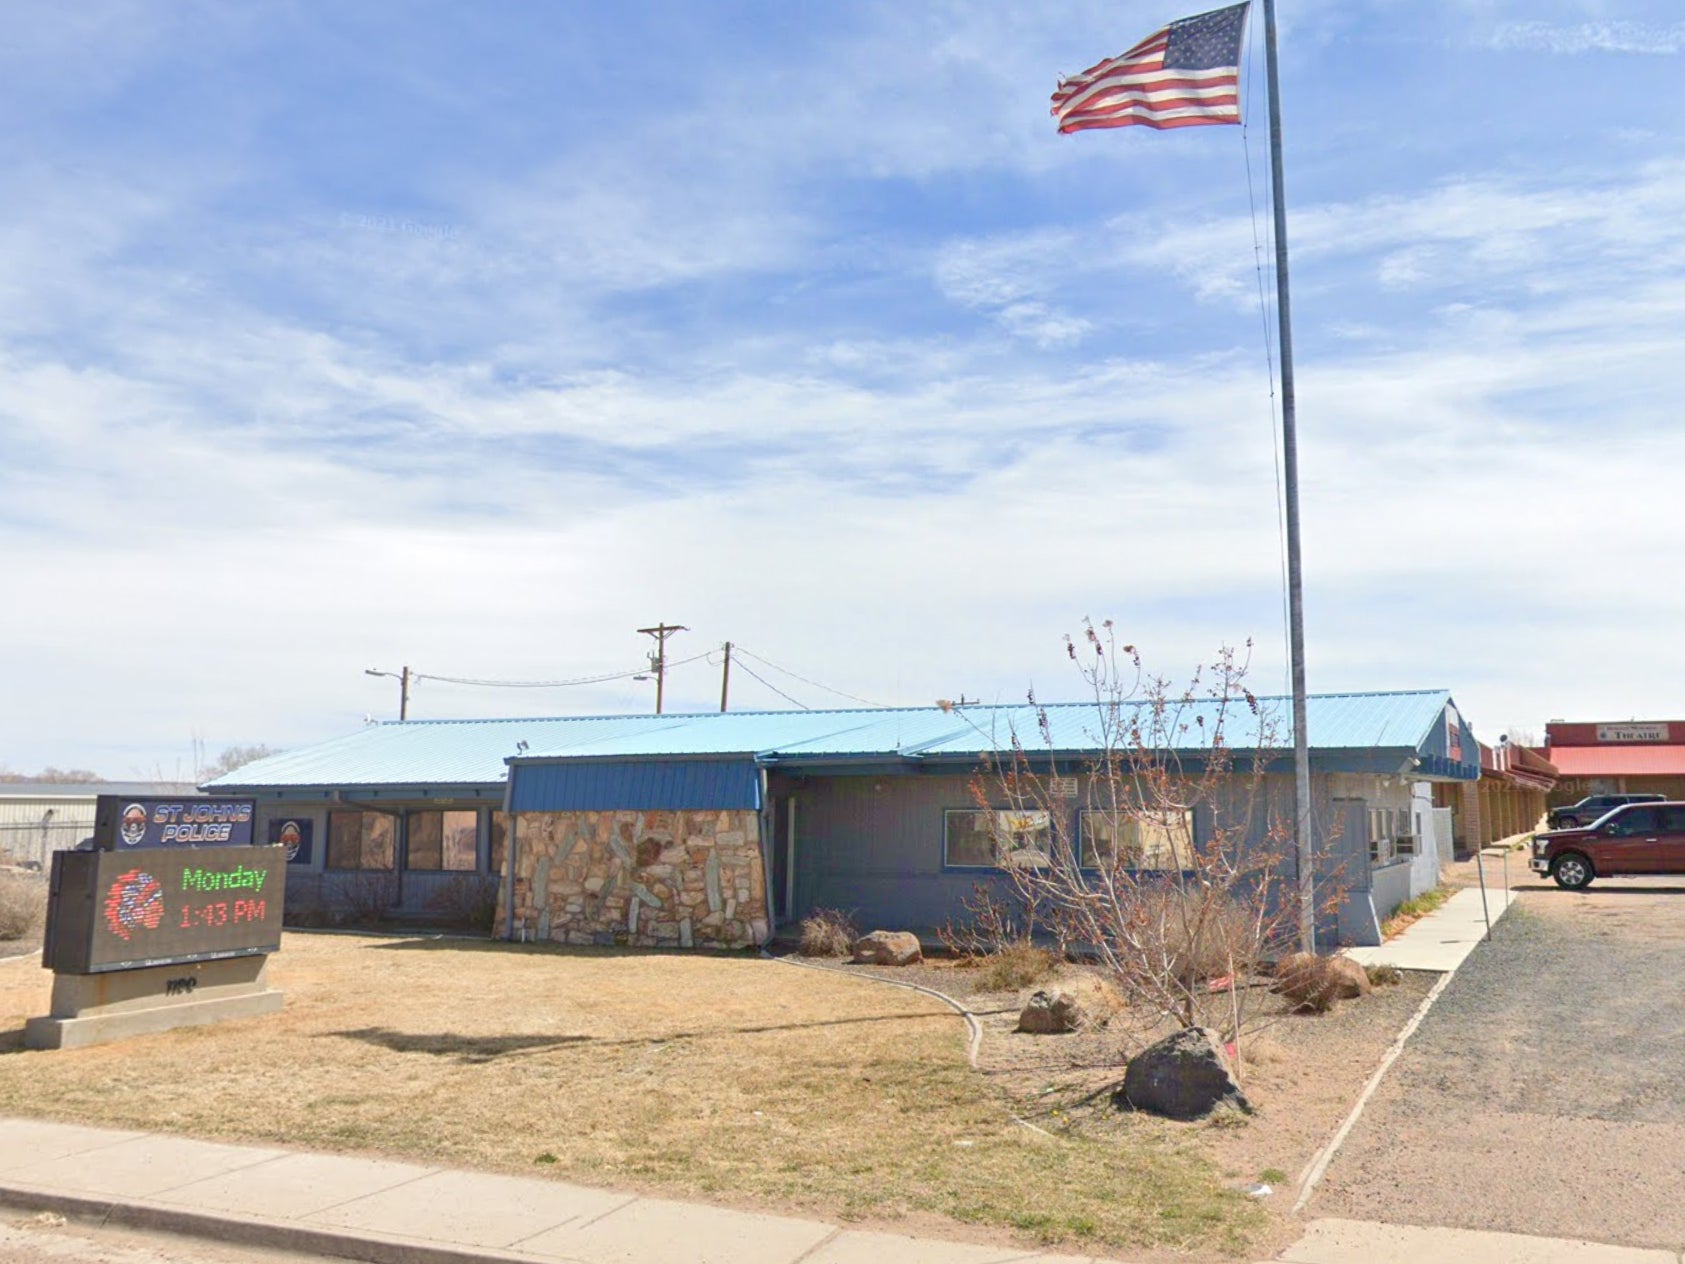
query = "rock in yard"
{"x": 888, "y": 948}
{"x": 1350, "y": 979}
{"x": 1317, "y": 982}
{"x": 1184, "y": 1076}
{"x": 1051, "y": 1014}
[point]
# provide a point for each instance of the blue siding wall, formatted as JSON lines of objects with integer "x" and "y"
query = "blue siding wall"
{"x": 873, "y": 846}
{"x": 635, "y": 786}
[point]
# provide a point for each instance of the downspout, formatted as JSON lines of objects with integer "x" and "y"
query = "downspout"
{"x": 509, "y": 857}
{"x": 766, "y": 860}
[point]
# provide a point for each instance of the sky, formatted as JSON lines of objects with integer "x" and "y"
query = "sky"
{"x": 474, "y": 338}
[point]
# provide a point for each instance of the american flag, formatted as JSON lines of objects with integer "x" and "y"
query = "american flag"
{"x": 1182, "y": 76}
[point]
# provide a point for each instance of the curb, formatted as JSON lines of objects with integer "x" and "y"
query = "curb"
{"x": 252, "y": 1231}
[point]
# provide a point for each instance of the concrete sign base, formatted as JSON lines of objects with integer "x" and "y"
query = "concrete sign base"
{"x": 92, "y": 1009}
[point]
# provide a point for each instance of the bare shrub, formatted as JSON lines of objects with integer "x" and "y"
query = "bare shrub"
{"x": 468, "y": 900}
{"x": 1314, "y": 983}
{"x": 1096, "y": 995}
{"x": 1016, "y": 965}
{"x": 366, "y": 897}
{"x": 1384, "y": 975}
{"x": 303, "y": 905}
{"x": 23, "y": 904}
{"x": 992, "y": 920}
{"x": 1201, "y": 948}
{"x": 1162, "y": 856}
{"x": 828, "y": 933}
{"x": 1304, "y": 979}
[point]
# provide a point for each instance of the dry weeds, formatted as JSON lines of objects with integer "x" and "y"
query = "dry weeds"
{"x": 23, "y": 907}
{"x": 1018, "y": 964}
{"x": 828, "y": 933}
{"x": 735, "y": 1079}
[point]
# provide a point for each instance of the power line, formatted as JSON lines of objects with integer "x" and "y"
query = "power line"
{"x": 552, "y": 684}
{"x": 760, "y": 658}
{"x": 775, "y": 689}
{"x": 530, "y": 684}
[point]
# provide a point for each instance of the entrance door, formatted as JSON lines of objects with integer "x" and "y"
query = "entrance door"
{"x": 783, "y": 854}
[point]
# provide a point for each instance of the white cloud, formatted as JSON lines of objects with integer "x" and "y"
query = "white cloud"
{"x": 661, "y": 375}
{"x": 1591, "y": 37}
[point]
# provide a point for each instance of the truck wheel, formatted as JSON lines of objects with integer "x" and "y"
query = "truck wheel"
{"x": 1567, "y": 822}
{"x": 1572, "y": 871}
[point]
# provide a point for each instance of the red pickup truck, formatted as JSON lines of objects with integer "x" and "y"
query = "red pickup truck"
{"x": 1641, "y": 838}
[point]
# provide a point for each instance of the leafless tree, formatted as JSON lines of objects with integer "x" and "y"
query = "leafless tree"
{"x": 53, "y": 776}
{"x": 1169, "y": 873}
{"x": 231, "y": 758}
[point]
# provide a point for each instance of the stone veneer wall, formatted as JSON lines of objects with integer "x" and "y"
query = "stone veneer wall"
{"x": 645, "y": 879}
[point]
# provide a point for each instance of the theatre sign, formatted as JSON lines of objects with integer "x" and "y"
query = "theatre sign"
{"x": 1613, "y": 733}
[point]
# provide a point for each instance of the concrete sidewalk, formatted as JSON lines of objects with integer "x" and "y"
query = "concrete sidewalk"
{"x": 1442, "y": 940}
{"x": 400, "y": 1213}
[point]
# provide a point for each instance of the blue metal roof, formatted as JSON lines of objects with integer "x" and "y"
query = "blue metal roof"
{"x": 473, "y": 752}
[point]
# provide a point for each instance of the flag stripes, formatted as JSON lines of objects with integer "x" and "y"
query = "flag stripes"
{"x": 1185, "y": 75}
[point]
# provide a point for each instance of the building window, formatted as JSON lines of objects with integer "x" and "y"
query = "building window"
{"x": 1390, "y": 835}
{"x": 996, "y": 838}
{"x": 1160, "y": 840}
{"x": 360, "y": 840}
{"x": 448, "y": 841}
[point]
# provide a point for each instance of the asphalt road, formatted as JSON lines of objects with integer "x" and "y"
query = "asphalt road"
{"x": 1545, "y": 1092}
{"x": 26, "y": 1238}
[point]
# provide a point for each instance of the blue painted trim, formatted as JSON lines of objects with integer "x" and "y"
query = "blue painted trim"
{"x": 635, "y": 786}
{"x": 1448, "y": 769}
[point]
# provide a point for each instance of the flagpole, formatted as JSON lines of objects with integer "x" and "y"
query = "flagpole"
{"x": 1304, "y": 855}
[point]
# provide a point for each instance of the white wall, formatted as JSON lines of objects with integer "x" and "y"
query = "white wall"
{"x": 1424, "y": 869}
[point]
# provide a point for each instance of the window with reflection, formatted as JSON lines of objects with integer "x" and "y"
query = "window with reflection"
{"x": 360, "y": 840}
{"x": 996, "y": 838}
{"x": 446, "y": 841}
{"x": 1160, "y": 839}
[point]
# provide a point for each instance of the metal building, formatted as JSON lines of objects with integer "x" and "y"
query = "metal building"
{"x": 715, "y": 828}
{"x": 38, "y": 818}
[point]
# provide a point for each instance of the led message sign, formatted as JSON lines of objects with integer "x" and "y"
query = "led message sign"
{"x": 110, "y": 910}
{"x": 123, "y": 824}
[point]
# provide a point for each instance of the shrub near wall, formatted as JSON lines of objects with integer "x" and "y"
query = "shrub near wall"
{"x": 646, "y": 879}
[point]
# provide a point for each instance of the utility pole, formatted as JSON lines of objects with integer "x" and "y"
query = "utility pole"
{"x": 725, "y": 676}
{"x": 658, "y": 656}
{"x": 403, "y": 679}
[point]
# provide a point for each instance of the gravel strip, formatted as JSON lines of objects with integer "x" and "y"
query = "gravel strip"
{"x": 1541, "y": 1094}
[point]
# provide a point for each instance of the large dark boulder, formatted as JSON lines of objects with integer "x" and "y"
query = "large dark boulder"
{"x": 1184, "y": 1076}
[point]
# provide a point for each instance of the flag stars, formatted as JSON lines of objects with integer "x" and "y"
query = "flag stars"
{"x": 1206, "y": 40}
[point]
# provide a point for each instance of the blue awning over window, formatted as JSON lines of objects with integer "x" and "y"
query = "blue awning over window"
{"x": 634, "y": 785}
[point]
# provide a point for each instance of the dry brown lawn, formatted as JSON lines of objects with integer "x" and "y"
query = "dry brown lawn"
{"x": 736, "y": 1079}
{"x": 1301, "y": 1072}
